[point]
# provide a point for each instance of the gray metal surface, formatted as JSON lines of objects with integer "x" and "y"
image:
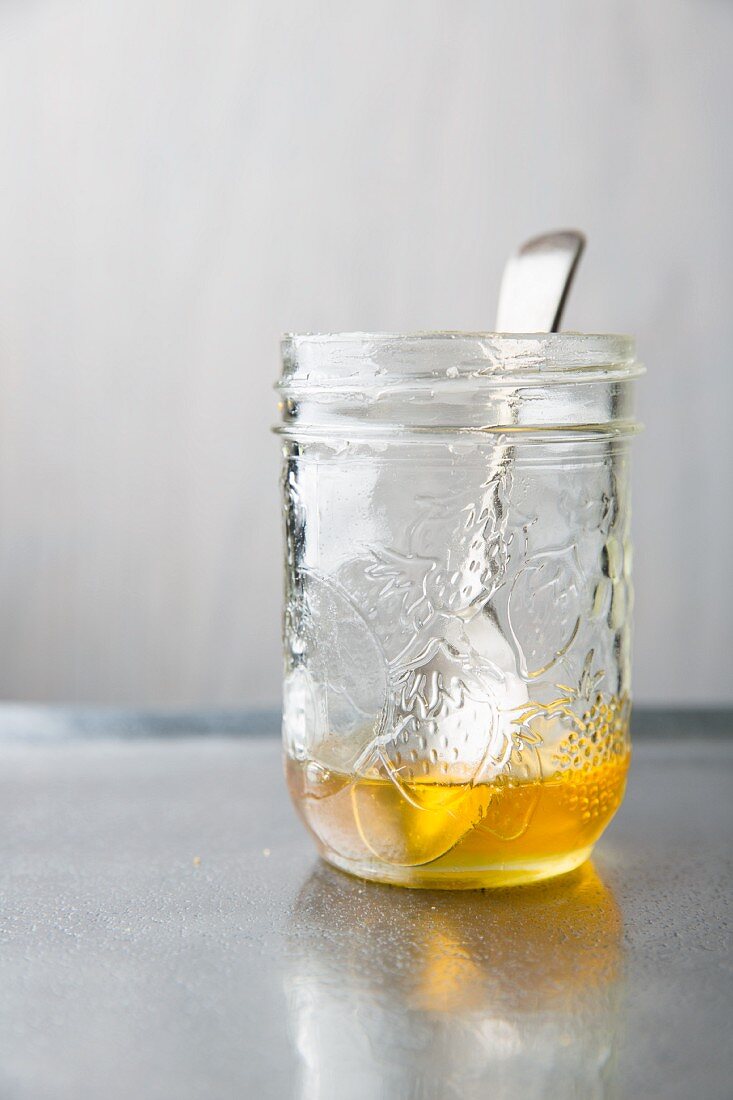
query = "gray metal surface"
{"x": 167, "y": 932}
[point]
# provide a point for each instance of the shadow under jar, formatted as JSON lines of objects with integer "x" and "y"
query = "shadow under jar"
{"x": 457, "y": 599}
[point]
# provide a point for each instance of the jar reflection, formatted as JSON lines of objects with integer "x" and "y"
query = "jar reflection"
{"x": 433, "y": 994}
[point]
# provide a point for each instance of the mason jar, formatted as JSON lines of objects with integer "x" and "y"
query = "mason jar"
{"x": 457, "y": 625}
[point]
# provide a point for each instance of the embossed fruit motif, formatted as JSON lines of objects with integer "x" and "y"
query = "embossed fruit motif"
{"x": 445, "y": 717}
{"x": 545, "y": 608}
{"x": 335, "y": 692}
{"x": 453, "y": 560}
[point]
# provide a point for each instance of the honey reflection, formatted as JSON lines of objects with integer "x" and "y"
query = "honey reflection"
{"x": 429, "y": 994}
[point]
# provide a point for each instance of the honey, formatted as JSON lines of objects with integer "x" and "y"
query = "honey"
{"x": 427, "y": 833}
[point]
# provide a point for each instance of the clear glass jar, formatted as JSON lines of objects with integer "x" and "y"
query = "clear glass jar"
{"x": 458, "y": 599}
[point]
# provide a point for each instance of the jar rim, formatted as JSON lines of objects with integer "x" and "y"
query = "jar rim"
{"x": 451, "y": 334}
{"x": 364, "y": 359}
{"x": 456, "y": 381}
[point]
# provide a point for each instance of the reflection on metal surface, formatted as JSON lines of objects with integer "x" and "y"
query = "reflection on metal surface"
{"x": 511, "y": 993}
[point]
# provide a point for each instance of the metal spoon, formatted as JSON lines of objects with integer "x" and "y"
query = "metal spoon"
{"x": 536, "y": 282}
{"x": 534, "y": 289}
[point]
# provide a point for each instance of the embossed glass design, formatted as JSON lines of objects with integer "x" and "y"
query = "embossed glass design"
{"x": 458, "y": 599}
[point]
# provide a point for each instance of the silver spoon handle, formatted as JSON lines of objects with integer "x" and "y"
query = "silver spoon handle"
{"x": 536, "y": 282}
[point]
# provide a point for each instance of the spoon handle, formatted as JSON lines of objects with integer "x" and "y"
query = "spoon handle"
{"x": 536, "y": 282}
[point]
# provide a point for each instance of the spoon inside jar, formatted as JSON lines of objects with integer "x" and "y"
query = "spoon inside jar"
{"x": 537, "y": 281}
{"x": 534, "y": 290}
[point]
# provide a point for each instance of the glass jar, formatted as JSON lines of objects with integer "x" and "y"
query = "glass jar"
{"x": 458, "y": 599}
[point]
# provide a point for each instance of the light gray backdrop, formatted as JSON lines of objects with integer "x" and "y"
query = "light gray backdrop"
{"x": 182, "y": 180}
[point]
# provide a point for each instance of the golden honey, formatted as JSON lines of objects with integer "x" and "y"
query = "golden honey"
{"x": 432, "y": 834}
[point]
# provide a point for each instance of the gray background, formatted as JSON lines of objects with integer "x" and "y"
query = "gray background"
{"x": 183, "y": 180}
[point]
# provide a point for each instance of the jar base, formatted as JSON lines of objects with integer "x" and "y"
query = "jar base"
{"x": 446, "y": 878}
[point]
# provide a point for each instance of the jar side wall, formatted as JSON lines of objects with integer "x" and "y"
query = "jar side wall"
{"x": 457, "y": 621}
